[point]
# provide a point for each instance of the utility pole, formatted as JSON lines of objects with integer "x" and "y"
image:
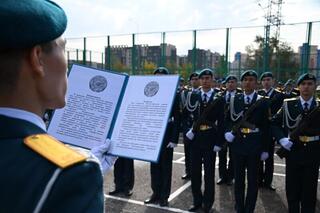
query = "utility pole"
{"x": 273, "y": 17}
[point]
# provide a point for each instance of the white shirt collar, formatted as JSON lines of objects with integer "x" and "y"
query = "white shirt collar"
{"x": 251, "y": 95}
{"x": 269, "y": 92}
{"x": 308, "y": 101}
{"x": 209, "y": 93}
{"x": 233, "y": 92}
{"x": 23, "y": 115}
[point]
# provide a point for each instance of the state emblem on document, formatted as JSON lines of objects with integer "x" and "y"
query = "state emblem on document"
{"x": 151, "y": 89}
{"x": 98, "y": 83}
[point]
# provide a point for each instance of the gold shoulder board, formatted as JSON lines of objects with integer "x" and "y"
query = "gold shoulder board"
{"x": 277, "y": 90}
{"x": 53, "y": 150}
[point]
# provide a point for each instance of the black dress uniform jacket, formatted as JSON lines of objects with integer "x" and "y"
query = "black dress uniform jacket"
{"x": 25, "y": 175}
{"x": 257, "y": 142}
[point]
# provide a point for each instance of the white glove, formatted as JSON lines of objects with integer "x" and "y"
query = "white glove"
{"x": 264, "y": 156}
{"x": 100, "y": 152}
{"x": 216, "y": 148}
{"x": 286, "y": 143}
{"x": 190, "y": 134}
{"x": 229, "y": 136}
{"x": 172, "y": 145}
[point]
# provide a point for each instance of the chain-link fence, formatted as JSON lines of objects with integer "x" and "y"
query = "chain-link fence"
{"x": 287, "y": 50}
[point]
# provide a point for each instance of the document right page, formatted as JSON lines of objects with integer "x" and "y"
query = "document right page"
{"x": 143, "y": 116}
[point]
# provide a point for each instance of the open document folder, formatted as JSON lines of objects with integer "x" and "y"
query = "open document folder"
{"x": 133, "y": 111}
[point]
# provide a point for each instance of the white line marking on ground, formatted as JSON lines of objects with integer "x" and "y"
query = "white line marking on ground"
{"x": 178, "y": 153}
{"x": 142, "y": 204}
{"x": 181, "y": 159}
{"x": 179, "y": 191}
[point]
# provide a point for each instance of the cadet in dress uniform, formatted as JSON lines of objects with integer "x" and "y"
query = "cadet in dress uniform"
{"x": 226, "y": 170}
{"x": 187, "y": 119}
{"x": 276, "y": 99}
{"x": 208, "y": 133}
{"x": 161, "y": 172}
{"x": 302, "y": 145}
{"x": 249, "y": 113}
{"x": 39, "y": 173}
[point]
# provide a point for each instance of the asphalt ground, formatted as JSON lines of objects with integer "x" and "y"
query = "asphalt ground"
{"x": 181, "y": 197}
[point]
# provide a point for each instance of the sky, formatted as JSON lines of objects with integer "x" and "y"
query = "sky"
{"x": 109, "y": 17}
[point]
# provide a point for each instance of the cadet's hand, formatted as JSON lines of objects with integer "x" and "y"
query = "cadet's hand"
{"x": 101, "y": 152}
{"x": 190, "y": 134}
{"x": 172, "y": 145}
{"x": 264, "y": 156}
{"x": 229, "y": 136}
{"x": 216, "y": 148}
{"x": 286, "y": 143}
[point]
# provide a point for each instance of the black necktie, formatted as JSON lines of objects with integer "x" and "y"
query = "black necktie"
{"x": 248, "y": 100}
{"x": 305, "y": 106}
{"x": 205, "y": 98}
{"x": 228, "y": 97}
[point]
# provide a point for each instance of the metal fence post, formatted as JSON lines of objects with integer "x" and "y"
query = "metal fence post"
{"x": 194, "y": 52}
{"x": 133, "y": 53}
{"x": 226, "y": 65}
{"x": 163, "y": 50}
{"x": 108, "y": 55}
{"x": 84, "y": 59}
{"x": 266, "y": 66}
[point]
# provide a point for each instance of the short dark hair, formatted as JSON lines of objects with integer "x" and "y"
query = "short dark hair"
{"x": 10, "y": 64}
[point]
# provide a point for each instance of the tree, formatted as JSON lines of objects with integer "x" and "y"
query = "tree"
{"x": 281, "y": 58}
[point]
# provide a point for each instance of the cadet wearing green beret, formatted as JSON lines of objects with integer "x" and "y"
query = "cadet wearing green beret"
{"x": 276, "y": 99}
{"x": 207, "y": 133}
{"x": 301, "y": 148}
{"x": 39, "y": 173}
{"x": 249, "y": 117}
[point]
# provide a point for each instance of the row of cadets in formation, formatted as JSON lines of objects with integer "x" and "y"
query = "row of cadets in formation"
{"x": 243, "y": 131}
{"x": 251, "y": 114}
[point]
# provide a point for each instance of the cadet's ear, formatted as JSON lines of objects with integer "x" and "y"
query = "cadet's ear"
{"x": 36, "y": 55}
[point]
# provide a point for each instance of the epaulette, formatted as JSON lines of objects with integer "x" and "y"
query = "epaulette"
{"x": 277, "y": 90}
{"x": 217, "y": 89}
{"x": 239, "y": 89}
{"x": 290, "y": 99}
{"x": 53, "y": 150}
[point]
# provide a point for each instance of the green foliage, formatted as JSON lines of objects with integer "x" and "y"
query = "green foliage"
{"x": 281, "y": 58}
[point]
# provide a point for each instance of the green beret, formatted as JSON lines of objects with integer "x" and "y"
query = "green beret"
{"x": 230, "y": 77}
{"x": 194, "y": 74}
{"x": 249, "y": 73}
{"x": 306, "y": 76}
{"x": 26, "y": 23}
{"x": 206, "y": 71}
{"x": 265, "y": 75}
{"x": 161, "y": 70}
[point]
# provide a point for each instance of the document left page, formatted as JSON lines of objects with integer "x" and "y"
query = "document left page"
{"x": 92, "y": 99}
